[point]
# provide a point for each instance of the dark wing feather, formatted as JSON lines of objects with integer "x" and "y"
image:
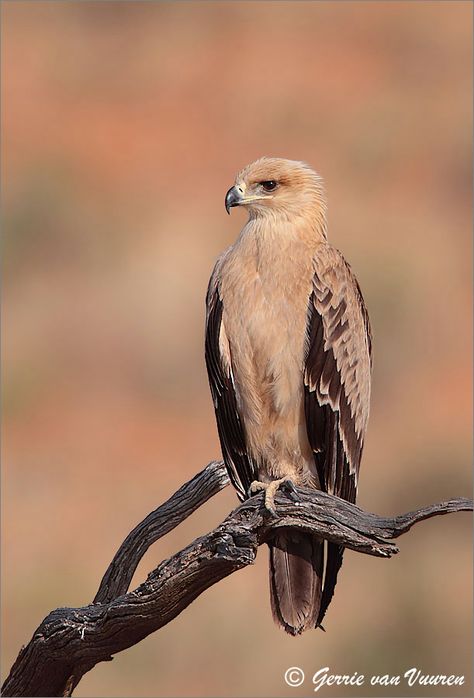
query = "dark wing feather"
{"x": 241, "y": 470}
{"x": 337, "y": 386}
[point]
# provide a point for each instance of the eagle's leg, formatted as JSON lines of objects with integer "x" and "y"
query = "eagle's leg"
{"x": 270, "y": 489}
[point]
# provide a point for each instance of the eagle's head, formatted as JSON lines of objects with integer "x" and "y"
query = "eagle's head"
{"x": 278, "y": 188}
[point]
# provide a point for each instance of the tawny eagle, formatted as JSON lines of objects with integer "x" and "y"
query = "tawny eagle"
{"x": 288, "y": 353}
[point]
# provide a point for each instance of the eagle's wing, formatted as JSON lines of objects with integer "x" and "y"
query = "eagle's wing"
{"x": 219, "y": 368}
{"x": 337, "y": 385}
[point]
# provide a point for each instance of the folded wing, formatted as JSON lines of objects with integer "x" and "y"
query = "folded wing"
{"x": 337, "y": 386}
{"x": 241, "y": 470}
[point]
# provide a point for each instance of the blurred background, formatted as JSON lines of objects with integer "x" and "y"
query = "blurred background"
{"x": 124, "y": 124}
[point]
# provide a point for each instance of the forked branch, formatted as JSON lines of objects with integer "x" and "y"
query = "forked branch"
{"x": 71, "y": 641}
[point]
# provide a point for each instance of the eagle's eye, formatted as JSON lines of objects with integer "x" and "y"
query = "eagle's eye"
{"x": 269, "y": 185}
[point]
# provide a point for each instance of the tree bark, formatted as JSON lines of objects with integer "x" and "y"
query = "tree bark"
{"x": 71, "y": 641}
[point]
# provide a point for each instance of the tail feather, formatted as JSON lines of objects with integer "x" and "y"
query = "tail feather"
{"x": 296, "y": 572}
{"x": 333, "y": 565}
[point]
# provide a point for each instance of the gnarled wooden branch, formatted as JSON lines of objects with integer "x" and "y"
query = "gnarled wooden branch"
{"x": 71, "y": 641}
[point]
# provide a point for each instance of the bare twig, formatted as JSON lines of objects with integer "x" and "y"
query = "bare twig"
{"x": 182, "y": 504}
{"x": 71, "y": 641}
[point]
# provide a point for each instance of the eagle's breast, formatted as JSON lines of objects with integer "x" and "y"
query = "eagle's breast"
{"x": 265, "y": 292}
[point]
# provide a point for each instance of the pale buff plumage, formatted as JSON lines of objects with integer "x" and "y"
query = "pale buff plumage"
{"x": 288, "y": 347}
{"x": 267, "y": 347}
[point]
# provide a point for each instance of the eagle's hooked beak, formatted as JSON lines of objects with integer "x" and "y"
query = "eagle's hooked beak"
{"x": 232, "y": 198}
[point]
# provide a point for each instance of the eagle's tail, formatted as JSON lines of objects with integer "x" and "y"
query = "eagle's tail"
{"x": 296, "y": 572}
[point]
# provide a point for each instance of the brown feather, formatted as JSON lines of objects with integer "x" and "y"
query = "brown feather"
{"x": 337, "y": 380}
{"x": 296, "y": 571}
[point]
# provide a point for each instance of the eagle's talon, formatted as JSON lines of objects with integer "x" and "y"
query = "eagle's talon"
{"x": 257, "y": 486}
{"x": 270, "y": 489}
{"x": 290, "y": 487}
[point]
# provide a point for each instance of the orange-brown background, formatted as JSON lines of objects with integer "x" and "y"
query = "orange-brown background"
{"x": 123, "y": 126}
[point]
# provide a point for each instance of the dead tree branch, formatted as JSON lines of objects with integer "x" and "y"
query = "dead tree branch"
{"x": 71, "y": 641}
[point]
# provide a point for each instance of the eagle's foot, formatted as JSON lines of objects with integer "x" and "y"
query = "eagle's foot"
{"x": 270, "y": 489}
